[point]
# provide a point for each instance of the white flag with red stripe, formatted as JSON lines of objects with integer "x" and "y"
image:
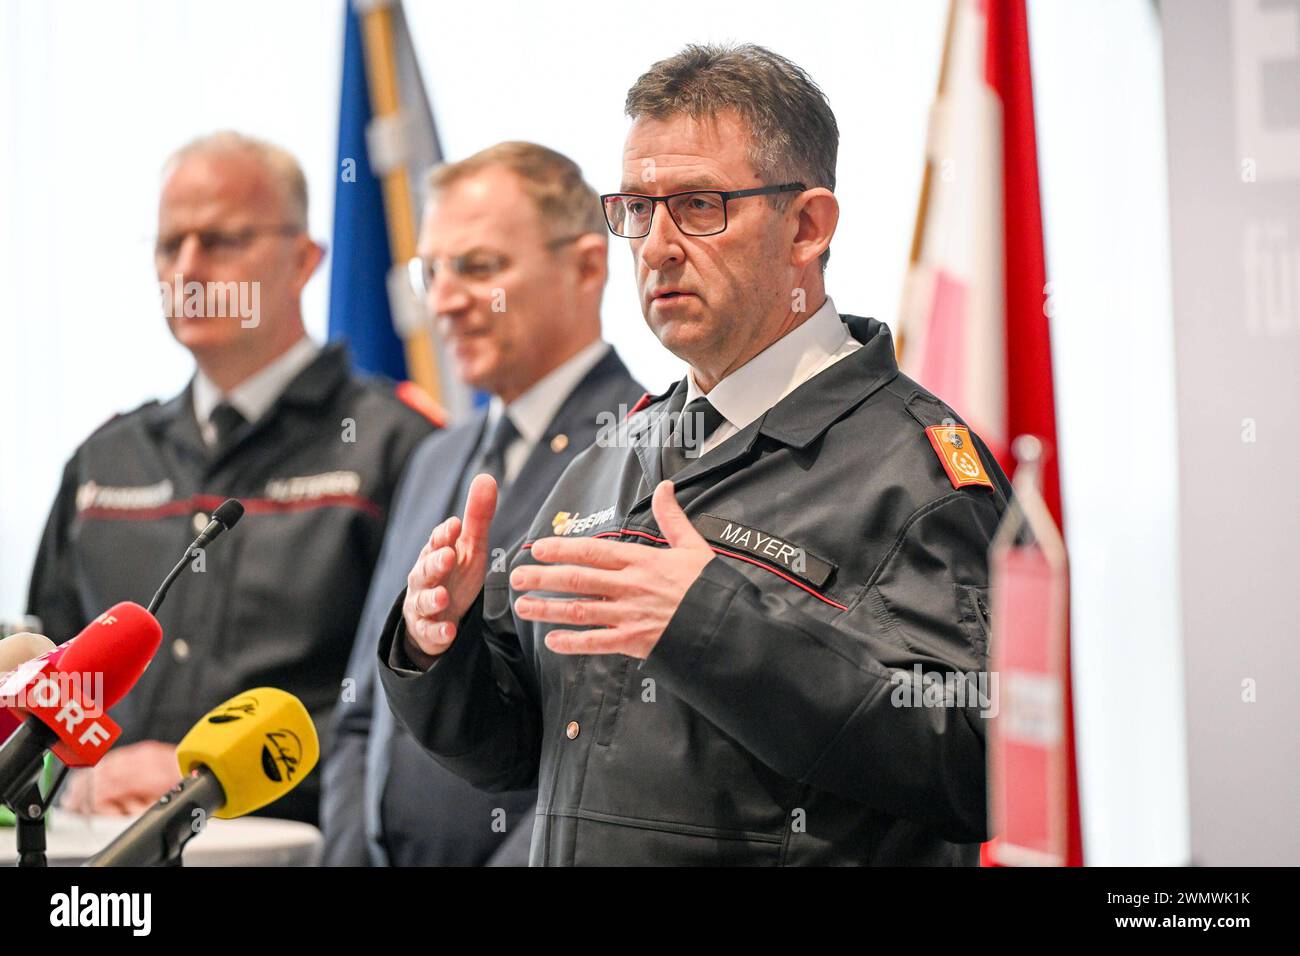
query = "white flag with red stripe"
{"x": 974, "y": 325}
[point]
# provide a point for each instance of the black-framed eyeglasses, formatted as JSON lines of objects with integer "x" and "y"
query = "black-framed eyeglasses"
{"x": 699, "y": 212}
{"x": 474, "y": 267}
{"x": 219, "y": 243}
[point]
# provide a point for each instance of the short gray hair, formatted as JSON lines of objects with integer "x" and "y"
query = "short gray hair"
{"x": 279, "y": 162}
{"x": 567, "y": 205}
{"x": 793, "y": 133}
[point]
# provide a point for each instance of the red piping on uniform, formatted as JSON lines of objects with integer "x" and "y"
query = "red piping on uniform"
{"x": 641, "y": 403}
{"x": 251, "y": 505}
{"x": 725, "y": 552}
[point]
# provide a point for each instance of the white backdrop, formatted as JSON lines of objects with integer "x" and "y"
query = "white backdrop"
{"x": 96, "y": 94}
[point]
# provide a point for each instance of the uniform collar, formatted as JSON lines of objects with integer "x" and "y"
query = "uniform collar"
{"x": 536, "y": 408}
{"x": 254, "y": 396}
{"x": 859, "y": 374}
{"x": 311, "y": 388}
{"x": 802, "y": 416}
{"x": 778, "y": 370}
{"x": 796, "y": 420}
{"x": 833, "y": 391}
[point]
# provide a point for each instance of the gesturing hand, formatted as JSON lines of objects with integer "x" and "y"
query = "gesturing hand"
{"x": 448, "y": 575}
{"x": 630, "y": 592}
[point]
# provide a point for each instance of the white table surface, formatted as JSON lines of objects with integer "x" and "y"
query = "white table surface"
{"x": 249, "y": 841}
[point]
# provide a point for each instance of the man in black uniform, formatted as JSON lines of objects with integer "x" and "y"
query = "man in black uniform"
{"x": 514, "y": 222}
{"x": 312, "y": 450}
{"x": 748, "y": 626}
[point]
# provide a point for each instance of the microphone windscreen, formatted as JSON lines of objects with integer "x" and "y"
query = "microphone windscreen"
{"x": 259, "y": 745}
{"x": 119, "y": 644}
{"x": 228, "y": 513}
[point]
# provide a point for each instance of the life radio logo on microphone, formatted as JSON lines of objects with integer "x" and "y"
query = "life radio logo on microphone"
{"x": 281, "y": 755}
{"x": 281, "y": 749}
{"x": 233, "y": 710}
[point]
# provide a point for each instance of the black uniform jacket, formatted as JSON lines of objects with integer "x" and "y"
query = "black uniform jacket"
{"x": 780, "y": 719}
{"x": 275, "y": 602}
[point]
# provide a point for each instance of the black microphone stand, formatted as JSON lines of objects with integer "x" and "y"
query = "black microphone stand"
{"x": 29, "y": 809}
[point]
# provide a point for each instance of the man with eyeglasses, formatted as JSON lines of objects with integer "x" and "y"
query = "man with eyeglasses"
{"x": 747, "y": 626}
{"x": 312, "y": 449}
{"x": 512, "y": 265}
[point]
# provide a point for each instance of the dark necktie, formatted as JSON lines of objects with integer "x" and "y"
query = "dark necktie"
{"x": 696, "y": 423}
{"x": 490, "y": 458}
{"x": 493, "y": 457}
{"x": 226, "y": 420}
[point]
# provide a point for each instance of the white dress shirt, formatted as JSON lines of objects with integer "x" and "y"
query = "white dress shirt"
{"x": 532, "y": 411}
{"x": 775, "y": 372}
{"x": 254, "y": 396}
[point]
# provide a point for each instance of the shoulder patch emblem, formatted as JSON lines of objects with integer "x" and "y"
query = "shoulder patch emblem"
{"x": 953, "y": 445}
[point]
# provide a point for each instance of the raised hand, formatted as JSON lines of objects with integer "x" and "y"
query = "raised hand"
{"x": 448, "y": 575}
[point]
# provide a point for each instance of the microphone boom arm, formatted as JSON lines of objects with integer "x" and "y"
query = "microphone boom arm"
{"x": 223, "y": 519}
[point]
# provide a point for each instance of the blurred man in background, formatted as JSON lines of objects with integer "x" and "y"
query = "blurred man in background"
{"x": 312, "y": 450}
{"x": 512, "y": 263}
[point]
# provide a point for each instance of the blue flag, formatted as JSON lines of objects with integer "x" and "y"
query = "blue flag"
{"x": 363, "y": 275}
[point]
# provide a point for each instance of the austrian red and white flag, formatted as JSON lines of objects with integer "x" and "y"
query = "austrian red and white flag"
{"x": 974, "y": 324}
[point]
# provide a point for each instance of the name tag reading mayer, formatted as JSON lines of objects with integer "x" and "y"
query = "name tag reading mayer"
{"x": 789, "y": 557}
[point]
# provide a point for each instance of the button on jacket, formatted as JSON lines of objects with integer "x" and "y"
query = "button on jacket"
{"x": 276, "y": 601}
{"x": 780, "y": 719}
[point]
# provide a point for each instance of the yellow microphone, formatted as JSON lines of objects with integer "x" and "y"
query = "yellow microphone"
{"x": 258, "y": 745}
{"x": 242, "y": 755}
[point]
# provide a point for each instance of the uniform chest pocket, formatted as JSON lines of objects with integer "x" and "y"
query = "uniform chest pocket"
{"x": 973, "y": 601}
{"x": 614, "y": 700}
